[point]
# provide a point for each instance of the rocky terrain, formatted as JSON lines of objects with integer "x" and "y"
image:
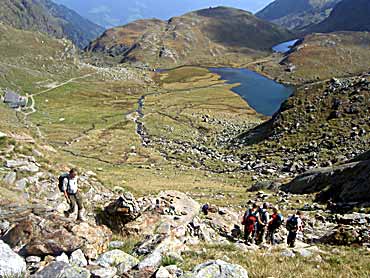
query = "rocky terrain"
{"x": 50, "y": 18}
{"x": 297, "y": 15}
{"x": 153, "y": 147}
{"x": 320, "y": 125}
{"x": 37, "y": 240}
{"x": 346, "y": 16}
{"x": 332, "y": 183}
{"x": 216, "y": 35}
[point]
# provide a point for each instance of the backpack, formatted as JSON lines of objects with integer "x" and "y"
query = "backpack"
{"x": 249, "y": 218}
{"x": 263, "y": 214}
{"x": 276, "y": 223}
{"x": 292, "y": 224}
{"x": 61, "y": 180}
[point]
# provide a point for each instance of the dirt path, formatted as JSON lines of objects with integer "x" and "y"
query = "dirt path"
{"x": 31, "y": 99}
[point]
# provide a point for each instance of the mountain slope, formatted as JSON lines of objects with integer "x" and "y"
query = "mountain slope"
{"x": 346, "y": 16}
{"x": 297, "y": 14}
{"x": 223, "y": 35}
{"x": 48, "y": 17}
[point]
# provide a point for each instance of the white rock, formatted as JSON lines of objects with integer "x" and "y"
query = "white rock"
{"x": 14, "y": 163}
{"x": 78, "y": 258}
{"x": 4, "y": 226}
{"x": 10, "y": 177}
{"x": 153, "y": 260}
{"x": 21, "y": 184}
{"x": 116, "y": 244}
{"x": 33, "y": 259}
{"x": 163, "y": 273}
{"x": 104, "y": 272}
{"x": 31, "y": 167}
{"x": 62, "y": 258}
{"x": 116, "y": 257}
{"x": 218, "y": 269}
{"x": 304, "y": 252}
{"x": 287, "y": 253}
{"x": 11, "y": 264}
{"x": 3, "y": 135}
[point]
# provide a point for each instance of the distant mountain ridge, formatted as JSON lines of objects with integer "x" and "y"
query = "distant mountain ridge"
{"x": 198, "y": 37}
{"x": 112, "y": 13}
{"x": 297, "y": 14}
{"x": 348, "y": 15}
{"x": 47, "y": 17}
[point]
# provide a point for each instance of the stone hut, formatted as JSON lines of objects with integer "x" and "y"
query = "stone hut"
{"x": 14, "y": 100}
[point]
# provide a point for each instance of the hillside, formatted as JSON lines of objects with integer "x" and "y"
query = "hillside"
{"x": 48, "y": 17}
{"x": 297, "y": 14}
{"x": 320, "y": 57}
{"x": 216, "y": 35}
{"x": 346, "y": 16}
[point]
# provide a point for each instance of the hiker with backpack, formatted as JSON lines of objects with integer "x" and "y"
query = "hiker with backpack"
{"x": 69, "y": 186}
{"x": 262, "y": 226}
{"x": 274, "y": 224}
{"x": 250, "y": 220}
{"x": 294, "y": 225}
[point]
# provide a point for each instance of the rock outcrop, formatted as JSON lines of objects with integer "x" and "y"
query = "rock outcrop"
{"x": 37, "y": 231}
{"x": 345, "y": 183}
{"x": 62, "y": 270}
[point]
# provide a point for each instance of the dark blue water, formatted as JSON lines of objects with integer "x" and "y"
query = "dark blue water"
{"x": 284, "y": 47}
{"x": 262, "y": 94}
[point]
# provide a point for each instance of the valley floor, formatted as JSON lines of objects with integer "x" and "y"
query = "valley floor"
{"x": 170, "y": 130}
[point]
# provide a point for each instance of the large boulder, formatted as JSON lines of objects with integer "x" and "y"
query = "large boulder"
{"x": 61, "y": 270}
{"x": 78, "y": 258}
{"x": 117, "y": 257}
{"x": 52, "y": 234}
{"x": 167, "y": 245}
{"x": 345, "y": 183}
{"x": 119, "y": 212}
{"x": 53, "y": 243}
{"x": 175, "y": 211}
{"x": 217, "y": 269}
{"x": 347, "y": 235}
{"x": 20, "y": 234}
{"x": 11, "y": 264}
{"x": 96, "y": 238}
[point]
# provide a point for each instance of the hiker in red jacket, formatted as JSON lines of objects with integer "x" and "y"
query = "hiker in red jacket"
{"x": 250, "y": 220}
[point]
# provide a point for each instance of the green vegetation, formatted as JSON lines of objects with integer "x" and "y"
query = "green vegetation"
{"x": 348, "y": 262}
{"x": 168, "y": 260}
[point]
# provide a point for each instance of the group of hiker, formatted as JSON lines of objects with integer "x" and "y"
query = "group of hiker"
{"x": 261, "y": 227}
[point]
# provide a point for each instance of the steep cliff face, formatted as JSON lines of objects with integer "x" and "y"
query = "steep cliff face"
{"x": 346, "y": 16}
{"x": 297, "y": 14}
